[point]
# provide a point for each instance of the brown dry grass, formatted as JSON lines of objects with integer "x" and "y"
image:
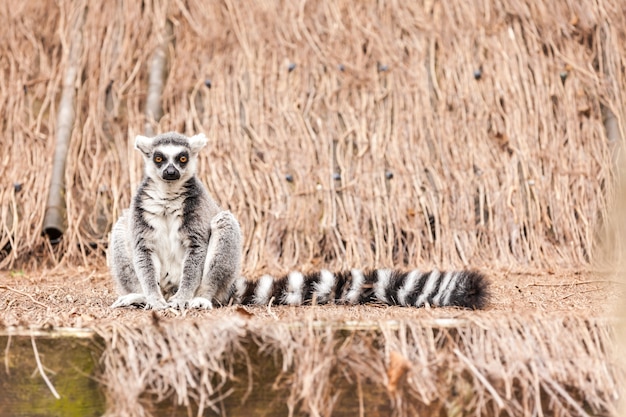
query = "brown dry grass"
{"x": 512, "y": 172}
{"x": 544, "y": 344}
{"x": 512, "y": 169}
{"x": 473, "y": 368}
{"x": 81, "y": 298}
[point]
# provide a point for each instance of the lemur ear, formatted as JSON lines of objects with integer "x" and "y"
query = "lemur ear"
{"x": 197, "y": 142}
{"x": 143, "y": 144}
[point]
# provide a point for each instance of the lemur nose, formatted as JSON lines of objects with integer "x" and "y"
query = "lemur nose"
{"x": 171, "y": 173}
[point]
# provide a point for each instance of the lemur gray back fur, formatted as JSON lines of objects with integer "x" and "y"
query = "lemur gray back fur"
{"x": 174, "y": 247}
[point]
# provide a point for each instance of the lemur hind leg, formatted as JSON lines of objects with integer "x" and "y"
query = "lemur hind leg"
{"x": 223, "y": 261}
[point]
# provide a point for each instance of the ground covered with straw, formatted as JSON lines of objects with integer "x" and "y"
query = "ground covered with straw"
{"x": 545, "y": 342}
{"x": 372, "y": 134}
{"x": 82, "y": 297}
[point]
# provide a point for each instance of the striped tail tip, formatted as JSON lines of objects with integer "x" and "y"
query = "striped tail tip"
{"x": 471, "y": 291}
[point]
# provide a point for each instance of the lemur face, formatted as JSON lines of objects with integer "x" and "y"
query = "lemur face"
{"x": 170, "y": 157}
{"x": 170, "y": 162}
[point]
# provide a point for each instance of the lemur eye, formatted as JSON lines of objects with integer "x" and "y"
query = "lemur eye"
{"x": 158, "y": 159}
{"x": 182, "y": 159}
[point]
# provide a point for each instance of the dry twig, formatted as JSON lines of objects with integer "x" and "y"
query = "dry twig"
{"x": 7, "y": 288}
{"x": 42, "y": 372}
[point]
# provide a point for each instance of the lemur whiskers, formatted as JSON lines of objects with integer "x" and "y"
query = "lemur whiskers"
{"x": 175, "y": 247}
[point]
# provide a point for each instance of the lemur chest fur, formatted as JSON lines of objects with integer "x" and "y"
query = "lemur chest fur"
{"x": 164, "y": 216}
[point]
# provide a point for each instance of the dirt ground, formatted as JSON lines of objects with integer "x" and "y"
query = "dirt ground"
{"x": 534, "y": 317}
{"x": 80, "y": 298}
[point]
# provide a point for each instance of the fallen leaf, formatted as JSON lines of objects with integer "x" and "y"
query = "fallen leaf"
{"x": 398, "y": 367}
{"x": 245, "y": 313}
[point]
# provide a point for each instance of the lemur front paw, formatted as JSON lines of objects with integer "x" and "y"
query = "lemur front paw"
{"x": 178, "y": 304}
{"x": 130, "y": 300}
{"x": 140, "y": 301}
{"x": 155, "y": 303}
{"x": 201, "y": 303}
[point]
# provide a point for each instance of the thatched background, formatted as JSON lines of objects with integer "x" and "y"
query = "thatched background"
{"x": 513, "y": 169}
{"x": 433, "y": 133}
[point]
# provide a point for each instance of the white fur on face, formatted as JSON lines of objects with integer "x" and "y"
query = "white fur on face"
{"x": 171, "y": 152}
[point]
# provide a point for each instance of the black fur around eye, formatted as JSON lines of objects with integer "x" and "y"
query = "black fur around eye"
{"x": 183, "y": 158}
{"x": 158, "y": 158}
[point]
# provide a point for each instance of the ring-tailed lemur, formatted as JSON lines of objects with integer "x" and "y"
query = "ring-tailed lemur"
{"x": 176, "y": 242}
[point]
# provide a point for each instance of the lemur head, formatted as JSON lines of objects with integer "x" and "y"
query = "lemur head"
{"x": 170, "y": 157}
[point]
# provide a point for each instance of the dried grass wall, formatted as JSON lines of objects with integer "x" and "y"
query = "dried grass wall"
{"x": 398, "y": 153}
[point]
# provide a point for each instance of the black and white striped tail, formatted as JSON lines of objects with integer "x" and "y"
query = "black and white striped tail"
{"x": 413, "y": 288}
